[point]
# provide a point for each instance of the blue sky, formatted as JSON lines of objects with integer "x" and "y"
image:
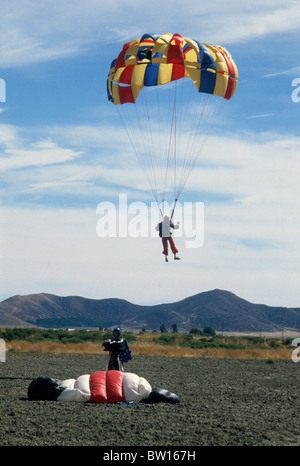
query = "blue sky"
{"x": 63, "y": 151}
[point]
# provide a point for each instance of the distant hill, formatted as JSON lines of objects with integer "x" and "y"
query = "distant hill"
{"x": 218, "y": 309}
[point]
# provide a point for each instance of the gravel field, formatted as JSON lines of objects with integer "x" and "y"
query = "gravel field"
{"x": 224, "y": 402}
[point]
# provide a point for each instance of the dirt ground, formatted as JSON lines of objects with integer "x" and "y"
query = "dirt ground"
{"x": 224, "y": 402}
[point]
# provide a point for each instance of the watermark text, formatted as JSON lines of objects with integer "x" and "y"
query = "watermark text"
{"x": 296, "y": 91}
{"x": 2, "y": 90}
{"x": 296, "y": 343}
{"x": 138, "y": 219}
{"x": 2, "y": 350}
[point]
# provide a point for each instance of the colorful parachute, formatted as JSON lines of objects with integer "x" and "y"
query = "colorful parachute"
{"x": 100, "y": 387}
{"x": 169, "y": 79}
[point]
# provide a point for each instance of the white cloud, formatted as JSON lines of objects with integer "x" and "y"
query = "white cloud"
{"x": 35, "y": 31}
{"x": 38, "y": 154}
{"x": 33, "y": 168}
{"x": 262, "y": 115}
{"x": 251, "y": 227}
{"x": 248, "y": 181}
{"x": 264, "y": 18}
{"x": 246, "y": 168}
{"x": 38, "y": 31}
{"x": 58, "y": 251}
{"x": 293, "y": 71}
{"x": 9, "y": 136}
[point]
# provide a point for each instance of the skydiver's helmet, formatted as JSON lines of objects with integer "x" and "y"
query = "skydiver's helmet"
{"x": 118, "y": 330}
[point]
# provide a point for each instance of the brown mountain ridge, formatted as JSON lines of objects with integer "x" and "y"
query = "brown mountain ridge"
{"x": 218, "y": 309}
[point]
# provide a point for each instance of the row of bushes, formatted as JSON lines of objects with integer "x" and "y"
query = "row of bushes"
{"x": 60, "y": 335}
{"x": 82, "y": 335}
{"x": 194, "y": 339}
{"x": 187, "y": 340}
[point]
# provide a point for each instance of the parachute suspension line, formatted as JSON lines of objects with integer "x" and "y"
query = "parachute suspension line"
{"x": 167, "y": 131}
{"x": 137, "y": 124}
{"x": 160, "y": 208}
{"x": 205, "y": 122}
{"x": 191, "y": 150}
{"x": 175, "y": 140}
{"x": 166, "y": 148}
{"x": 171, "y": 138}
{"x": 160, "y": 138}
{"x": 147, "y": 153}
{"x": 148, "y": 140}
{"x": 161, "y": 143}
{"x": 129, "y": 132}
{"x": 185, "y": 98}
{"x": 180, "y": 120}
{"x": 175, "y": 202}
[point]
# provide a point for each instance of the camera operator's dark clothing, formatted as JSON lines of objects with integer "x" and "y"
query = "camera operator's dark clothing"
{"x": 117, "y": 348}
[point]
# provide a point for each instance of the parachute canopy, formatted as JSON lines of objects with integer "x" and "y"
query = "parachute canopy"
{"x": 153, "y": 60}
{"x": 173, "y": 83}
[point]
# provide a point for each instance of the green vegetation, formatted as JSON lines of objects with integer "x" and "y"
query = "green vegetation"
{"x": 193, "y": 339}
{"x": 59, "y": 335}
{"x": 209, "y": 339}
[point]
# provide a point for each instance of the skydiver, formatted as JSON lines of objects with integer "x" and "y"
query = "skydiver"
{"x": 164, "y": 229}
{"x": 118, "y": 349}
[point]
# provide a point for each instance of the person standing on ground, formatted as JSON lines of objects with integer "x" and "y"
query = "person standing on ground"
{"x": 118, "y": 349}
